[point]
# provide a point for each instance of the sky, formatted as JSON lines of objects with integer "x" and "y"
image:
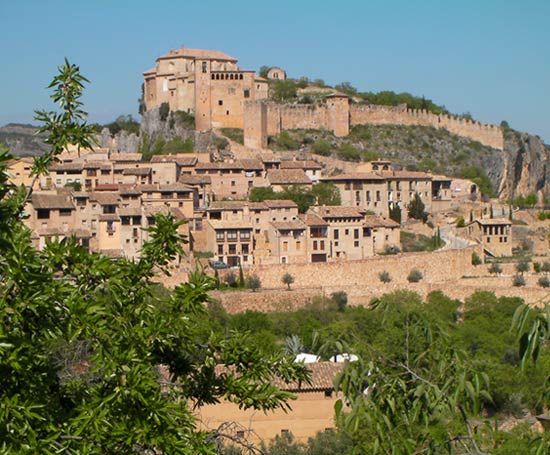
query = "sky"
{"x": 490, "y": 58}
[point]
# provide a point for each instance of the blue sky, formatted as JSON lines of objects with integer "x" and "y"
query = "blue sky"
{"x": 490, "y": 58}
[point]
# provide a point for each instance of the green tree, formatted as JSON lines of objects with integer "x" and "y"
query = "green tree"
{"x": 341, "y": 300}
{"x": 283, "y": 91}
{"x": 346, "y": 87}
{"x": 264, "y": 69}
{"x": 253, "y": 282}
{"x": 384, "y": 277}
{"x": 326, "y": 194}
{"x": 287, "y": 279}
{"x": 164, "y": 111}
{"x": 395, "y": 213}
{"x": 522, "y": 267}
{"x": 416, "y": 209}
{"x": 83, "y": 338}
{"x": 495, "y": 269}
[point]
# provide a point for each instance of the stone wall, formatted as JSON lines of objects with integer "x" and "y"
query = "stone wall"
{"x": 438, "y": 266}
{"x": 338, "y": 115}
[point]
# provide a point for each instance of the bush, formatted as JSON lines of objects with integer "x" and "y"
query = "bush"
{"x": 287, "y": 279}
{"x": 544, "y": 282}
{"x": 164, "y": 110}
{"x": 184, "y": 119}
{"x": 348, "y": 152}
{"x": 545, "y": 267}
{"x": 543, "y": 216}
{"x": 235, "y": 134}
{"x": 416, "y": 209}
{"x": 519, "y": 280}
{"x": 384, "y": 277}
{"x": 495, "y": 268}
{"x": 230, "y": 279}
{"x": 322, "y": 147}
{"x": 284, "y": 141}
{"x": 340, "y": 298}
{"x": 414, "y": 276}
{"x": 476, "y": 260}
{"x": 536, "y": 267}
{"x": 253, "y": 282}
{"x": 460, "y": 223}
{"x": 522, "y": 267}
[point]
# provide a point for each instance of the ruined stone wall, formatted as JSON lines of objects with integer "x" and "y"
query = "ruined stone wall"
{"x": 484, "y": 133}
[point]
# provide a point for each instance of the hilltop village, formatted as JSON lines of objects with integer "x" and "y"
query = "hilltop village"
{"x": 108, "y": 197}
{"x": 291, "y": 221}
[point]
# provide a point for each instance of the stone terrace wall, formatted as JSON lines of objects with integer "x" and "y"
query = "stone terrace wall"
{"x": 439, "y": 266}
{"x": 484, "y": 133}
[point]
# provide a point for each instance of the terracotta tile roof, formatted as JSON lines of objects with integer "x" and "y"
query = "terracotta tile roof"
{"x": 492, "y": 221}
{"x": 233, "y": 224}
{"x": 408, "y": 175}
{"x": 194, "y": 179}
{"x": 51, "y": 201}
{"x": 60, "y": 167}
{"x": 105, "y": 198}
{"x": 335, "y": 211}
{"x": 227, "y": 205}
{"x": 252, "y": 165}
{"x": 180, "y": 160}
{"x": 288, "y": 225}
{"x": 125, "y": 157}
{"x": 200, "y": 54}
{"x": 164, "y": 210}
{"x": 354, "y": 176}
{"x": 129, "y": 211}
{"x": 308, "y": 164}
{"x": 81, "y": 194}
{"x": 288, "y": 177}
{"x": 137, "y": 171}
{"x": 258, "y": 206}
{"x": 175, "y": 188}
{"x": 129, "y": 190}
{"x": 280, "y": 204}
{"x": 377, "y": 221}
{"x": 107, "y": 187}
{"x": 311, "y": 219}
{"x": 322, "y": 377}
{"x": 219, "y": 166}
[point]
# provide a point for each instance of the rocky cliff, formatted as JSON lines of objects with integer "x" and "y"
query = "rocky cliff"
{"x": 22, "y": 140}
{"x": 526, "y": 167}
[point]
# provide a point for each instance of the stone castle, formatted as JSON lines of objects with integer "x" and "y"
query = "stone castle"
{"x": 210, "y": 85}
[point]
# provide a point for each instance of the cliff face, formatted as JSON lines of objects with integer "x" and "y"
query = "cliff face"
{"x": 22, "y": 140}
{"x": 526, "y": 166}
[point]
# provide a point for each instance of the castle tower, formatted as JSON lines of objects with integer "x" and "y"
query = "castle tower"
{"x": 338, "y": 114}
{"x": 203, "y": 107}
{"x": 255, "y": 124}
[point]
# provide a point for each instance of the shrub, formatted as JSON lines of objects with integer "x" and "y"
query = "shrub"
{"x": 414, "y": 276}
{"x": 230, "y": 279}
{"x": 536, "y": 267}
{"x": 348, "y": 152}
{"x": 322, "y": 147}
{"x": 476, "y": 260}
{"x": 253, "y": 282}
{"x": 184, "y": 119}
{"x": 340, "y": 298}
{"x": 384, "y": 276}
{"x": 518, "y": 280}
{"x": 235, "y": 134}
{"x": 544, "y": 282}
{"x": 460, "y": 223}
{"x": 495, "y": 268}
{"x": 285, "y": 141}
{"x": 287, "y": 279}
{"x": 164, "y": 110}
{"x": 522, "y": 267}
{"x": 545, "y": 267}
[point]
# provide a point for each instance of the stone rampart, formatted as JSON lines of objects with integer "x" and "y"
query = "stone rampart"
{"x": 484, "y": 133}
{"x": 339, "y": 116}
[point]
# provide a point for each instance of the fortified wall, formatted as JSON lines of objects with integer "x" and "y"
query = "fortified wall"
{"x": 263, "y": 119}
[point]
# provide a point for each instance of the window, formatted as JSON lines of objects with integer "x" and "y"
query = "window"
{"x": 347, "y": 231}
{"x": 219, "y": 235}
{"x": 322, "y": 244}
{"x": 220, "y": 102}
{"x": 356, "y": 233}
{"x": 43, "y": 214}
{"x": 232, "y": 182}
{"x": 64, "y": 212}
{"x": 245, "y": 235}
{"x": 356, "y": 243}
{"x": 125, "y": 220}
{"x": 204, "y": 67}
{"x": 245, "y": 248}
{"x": 298, "y": 245}
{"x": 232, "y": 235}
{"x": 233, "y": 248}
{"x": 315, "y": 244}
{"x": 247, "y": 93}
{"x": 285, "y": 246}
{"x": 336, "y": 234}
{"x": 220, "y": 250}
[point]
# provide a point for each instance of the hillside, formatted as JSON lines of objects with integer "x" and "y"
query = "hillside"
{"x": 524, "y": 163}
{"x": 22, "y": 140}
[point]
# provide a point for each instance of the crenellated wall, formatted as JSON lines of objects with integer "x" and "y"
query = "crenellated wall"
{"x": 484, "y": 133}
{"x": 338, "y": 115}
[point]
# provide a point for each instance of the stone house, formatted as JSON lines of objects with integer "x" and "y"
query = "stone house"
{"x": 230, "y": 241}
{"x": 494, "y": 234}
{"x": 311, "y": 412}
{"x": 278, "y": 179}
{"x": 276, "y": 73}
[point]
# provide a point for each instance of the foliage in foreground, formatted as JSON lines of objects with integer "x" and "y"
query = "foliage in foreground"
{"x": 82, "y": 338}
